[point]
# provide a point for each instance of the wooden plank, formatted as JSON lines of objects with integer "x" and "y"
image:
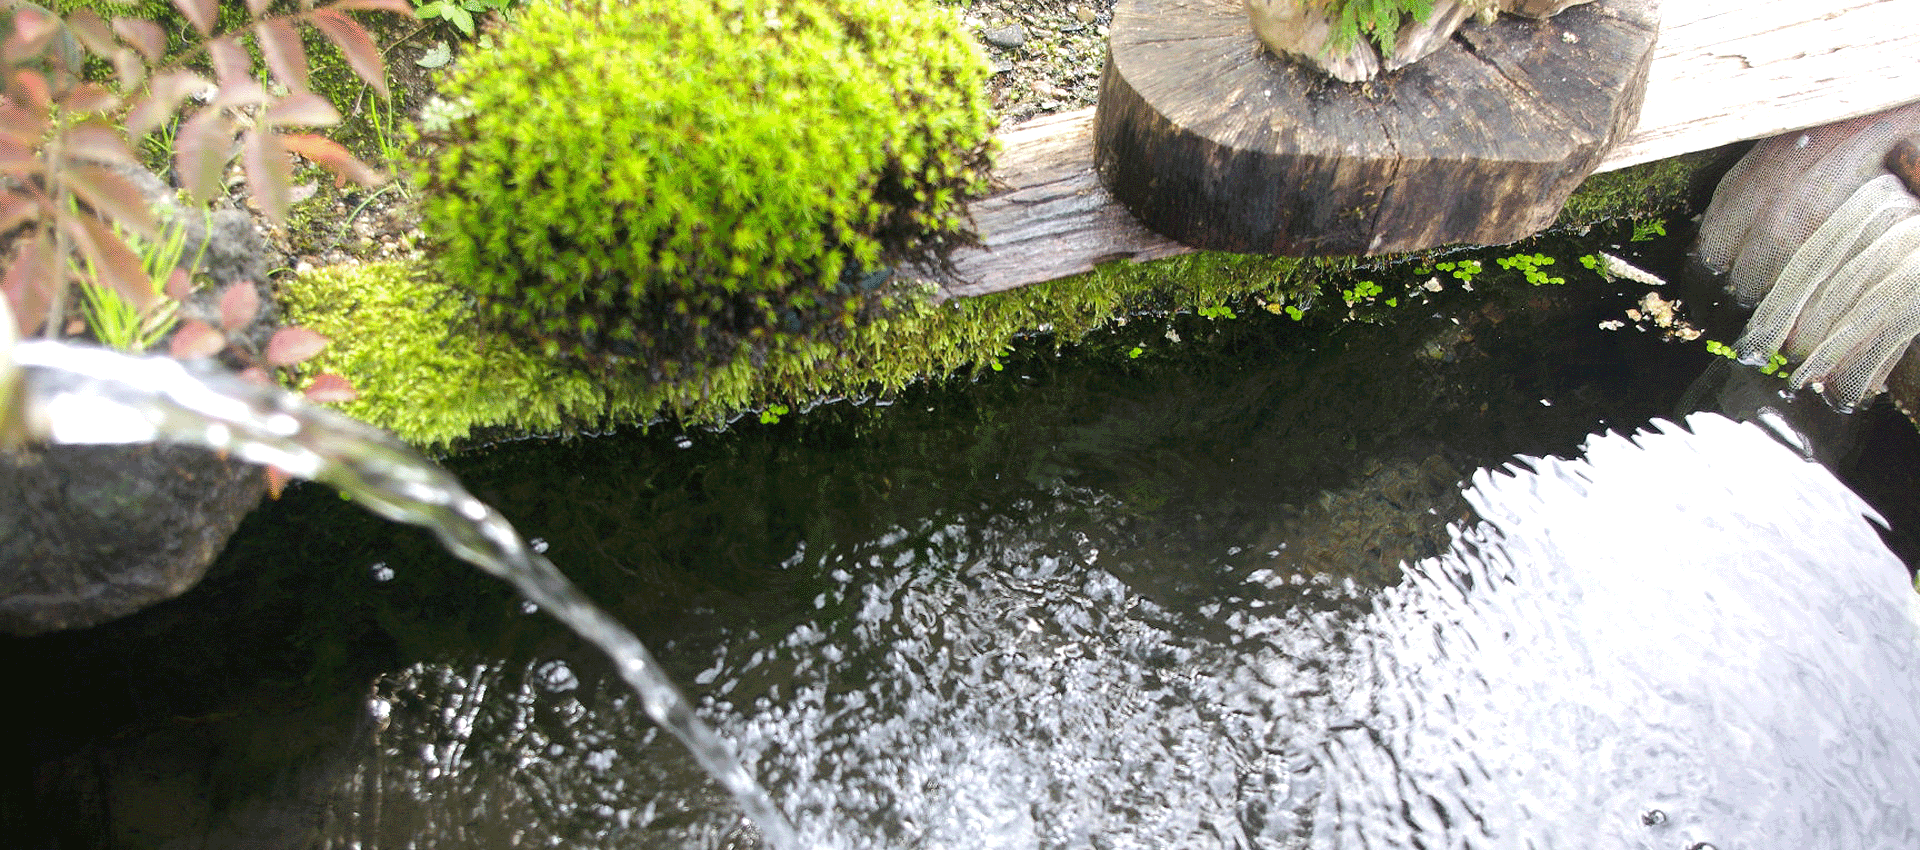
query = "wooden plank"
{"x": 1723, "y": 71}
{"x": 1049, "y": 217}
{"x": 1728, "y": 70}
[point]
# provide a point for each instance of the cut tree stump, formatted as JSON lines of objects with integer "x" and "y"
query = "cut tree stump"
{"x": 1214, "y": 142}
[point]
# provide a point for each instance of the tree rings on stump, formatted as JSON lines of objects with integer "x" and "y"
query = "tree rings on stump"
{"x": 1215, "y": 142}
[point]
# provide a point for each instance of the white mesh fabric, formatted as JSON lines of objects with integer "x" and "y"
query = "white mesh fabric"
{"x": 1873, "y": 208}
{"x": 1753, "y": 183}
{"x": 1854, "y": 362}
{"x": 1810, "y": 197}
{"x": 1821, "y": 318}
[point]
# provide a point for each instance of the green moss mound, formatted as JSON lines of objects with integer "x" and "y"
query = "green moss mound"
{"x": 669, "y": 184}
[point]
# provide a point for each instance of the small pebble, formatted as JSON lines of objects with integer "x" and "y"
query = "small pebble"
{"x": 1008, "y": 37}
{"x": 1085, "y": 14}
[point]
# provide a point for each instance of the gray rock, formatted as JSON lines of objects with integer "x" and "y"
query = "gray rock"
{"x": 1009, "y": 37}
{"x": 98, "y": 532}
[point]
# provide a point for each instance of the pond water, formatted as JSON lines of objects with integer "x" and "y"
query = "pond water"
{"x": 1143, "y": 593}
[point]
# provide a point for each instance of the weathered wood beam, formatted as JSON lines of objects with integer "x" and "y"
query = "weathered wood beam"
{"x": 1723, "y": 71}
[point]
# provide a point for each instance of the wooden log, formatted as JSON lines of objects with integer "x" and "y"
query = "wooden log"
{"x": 1723, "y": 71}
{"x": 1215, "y": 142}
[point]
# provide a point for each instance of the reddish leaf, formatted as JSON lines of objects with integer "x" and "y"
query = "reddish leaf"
{"x": 231, "y": 64}
{"x": 277, "y": 478}
{"x": 328, "y": 388}
{"x": 31, "y": 89}
{"x": 93, "y": 32}
{"x": 329, "y": 155}
{"x": 22, "y": 125}
{"x": 112, "y": 197}
{"x": 166, "y": 94}
{"x": 27, "y": 309}
{"x": 244, "y": 93}
{"x": 128, "y": 68}
{"x": 199, "y": 13}
{"x": 398, "y": 7}
{"x": 238, "y": 305}
{"x": 144, "y": 36}
{"x": 201, "y": 151}
{"x": 33, "y": 30}
{"x": 113, "y": 263}
{"x": 269, "y": 176}
{"x": 286, "y": 58}
{"x": 305, "y": 109}
{"x": 16, "y": 209}
{"x": 179, "y": 284}
{"x": 195, "y": 339}
{"x": 99, "y": 142}
{"x": 16, "y": 159}
{"x": 30, "y": 281}
{"x": 356, "y": 45}
{"x": 89, "y": 98}
{"x": 256, "y": 375}
{"x": 293, "y": 345}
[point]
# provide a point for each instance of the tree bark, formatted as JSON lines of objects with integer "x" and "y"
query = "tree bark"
{"x": 1213, "y": 141}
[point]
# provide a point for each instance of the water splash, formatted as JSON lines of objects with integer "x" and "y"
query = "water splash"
{"x": 78, "y": 395}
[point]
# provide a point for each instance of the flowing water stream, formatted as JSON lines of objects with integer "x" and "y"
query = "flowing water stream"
{"x": 74, "y": 395}
{"x": 1108, "y": 599}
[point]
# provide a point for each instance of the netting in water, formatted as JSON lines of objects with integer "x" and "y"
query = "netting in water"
{"x": 1813, "y": 227}
{"x": 1872, "y": 209}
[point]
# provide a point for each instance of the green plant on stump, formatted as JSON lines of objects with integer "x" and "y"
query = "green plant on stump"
{"x": 681, "y": 186}
{"x": 1379, "y": 21}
